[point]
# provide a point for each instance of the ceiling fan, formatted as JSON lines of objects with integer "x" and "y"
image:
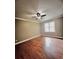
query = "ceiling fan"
{"x": 37, "y": 15}
{"x": 40, "y": 15}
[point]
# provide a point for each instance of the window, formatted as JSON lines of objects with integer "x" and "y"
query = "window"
{"x": 46, "y": 27}
{"x": 49, "y": 27}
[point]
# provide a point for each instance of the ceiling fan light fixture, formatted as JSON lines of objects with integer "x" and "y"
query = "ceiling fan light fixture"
{"x": 38, "y": 14}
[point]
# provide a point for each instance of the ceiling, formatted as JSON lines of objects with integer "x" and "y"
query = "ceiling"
{"x": 52, "y": 8}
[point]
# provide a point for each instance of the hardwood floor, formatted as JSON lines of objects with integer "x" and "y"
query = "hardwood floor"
{"x": 40, "y": 48}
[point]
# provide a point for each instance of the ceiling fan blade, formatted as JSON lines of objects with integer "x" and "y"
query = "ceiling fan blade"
{"x": 31, "y": 16}
{"x": 43, "y": 15}
{"x": 30, "y": 12}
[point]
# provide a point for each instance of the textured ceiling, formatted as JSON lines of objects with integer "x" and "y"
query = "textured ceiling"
{"x": 52, "y": 8}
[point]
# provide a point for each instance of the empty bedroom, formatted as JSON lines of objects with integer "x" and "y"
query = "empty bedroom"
{"x": 38, "y": 29}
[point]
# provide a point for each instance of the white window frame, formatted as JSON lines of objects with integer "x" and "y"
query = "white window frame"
{"x": 50, "y": 28}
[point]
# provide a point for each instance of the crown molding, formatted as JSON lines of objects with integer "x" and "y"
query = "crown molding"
{"x": 26, "y": 20}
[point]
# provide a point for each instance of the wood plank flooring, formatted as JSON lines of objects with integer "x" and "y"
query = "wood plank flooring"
{"x": 40, "y": 48}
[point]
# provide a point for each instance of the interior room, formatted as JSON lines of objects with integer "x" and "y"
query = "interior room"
{"x": 38, "y": 29}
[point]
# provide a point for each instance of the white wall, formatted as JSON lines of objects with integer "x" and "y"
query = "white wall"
{"x": 26, "y": 29}
{"x": 58, "y": 28}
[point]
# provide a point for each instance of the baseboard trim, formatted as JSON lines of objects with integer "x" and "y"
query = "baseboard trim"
{"x": 58, "y": 37}
{"x": 27, "y": 39}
